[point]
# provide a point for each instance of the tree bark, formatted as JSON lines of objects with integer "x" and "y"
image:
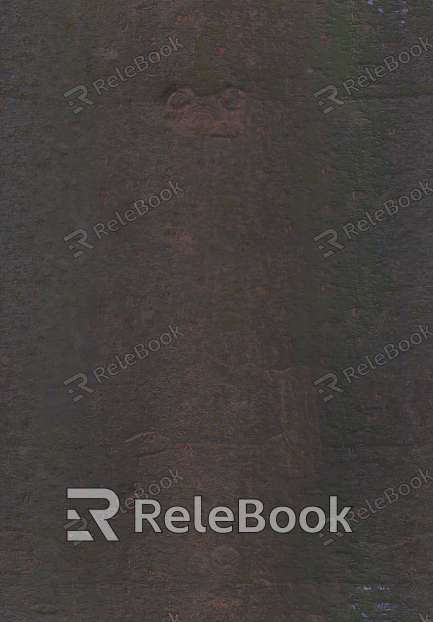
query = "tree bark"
{"x": 229, "y": 410}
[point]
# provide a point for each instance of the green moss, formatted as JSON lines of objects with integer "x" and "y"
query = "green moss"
{"x": 335, "y": 419}
{"x": 405, "y": 90}
{"x": 234, "y": 172}
{"x": 309, "y": 60}
{"x": 204, "y": 58}
{"x": 310, "y": 133}
{"x": 342, "y": 46}
{"x": 253, "y": 76}
{"x": 310, "y": 569}
{"x": 298, "y": 326}
{"x": 298, "y": 210}
{"x": 370, "y": 52}
{"x": 227, "y": 202}
{"x": 245, "y": 576}
{"x": 219, "y": 34}
{"x": 233, "y": 289}
{"x": 227, "y": 320}
{"x": 378, "y": 442}
{"x": 206, "y": 82}
{"x": 299, "y": 541}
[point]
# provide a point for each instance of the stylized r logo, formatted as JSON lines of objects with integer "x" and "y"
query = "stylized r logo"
{"x": 82, "y": 241}
{"x": 101, "y": 517}
{"x": 81, "y": 385}
{"x": 332, "y": 241}
{"x": 331, "y": 385}
{"x": 81, "y": 97}
{"x": 331, "y": 97}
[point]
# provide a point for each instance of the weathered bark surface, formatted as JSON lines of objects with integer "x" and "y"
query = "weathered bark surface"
{"x": 232, "y": 117}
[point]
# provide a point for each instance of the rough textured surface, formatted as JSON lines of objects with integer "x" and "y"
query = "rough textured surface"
{"x": 232, "y": 117}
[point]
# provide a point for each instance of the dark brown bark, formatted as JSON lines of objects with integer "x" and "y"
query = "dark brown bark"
{"x": 232, "y": 117}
